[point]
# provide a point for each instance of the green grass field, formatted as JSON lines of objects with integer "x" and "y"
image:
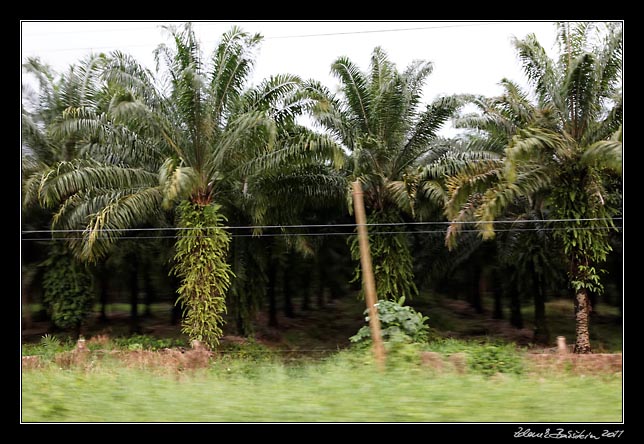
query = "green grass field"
{"x": 345, "y": 387}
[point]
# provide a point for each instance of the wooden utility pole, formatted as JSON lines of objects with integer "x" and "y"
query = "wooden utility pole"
{"x": 368, "y": 281}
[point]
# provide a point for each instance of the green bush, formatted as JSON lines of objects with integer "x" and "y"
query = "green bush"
{"x": 47, "y": 348}
{"x": 487, "y": 358}
{"x": 67, "y": 290}
{"x": 490, "y": 359}
{"x": 145, "y": 342}
{"x": 398, "y": 322}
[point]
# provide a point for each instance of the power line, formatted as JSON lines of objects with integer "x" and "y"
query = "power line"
{"x": 266, "y": 227}
{"x": 375, "y": 31}
{"x": 333, "y": 233}
{"x": 278, "y": 37}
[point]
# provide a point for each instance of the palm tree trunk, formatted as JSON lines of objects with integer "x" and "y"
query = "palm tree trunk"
{"x": 272, "y": 297}
{"x": 289, "y": 290}
{"x": 311, "y": 287}
{"x": 510, "y": 289}
{"x": 541, "y": 332}
{"x": 134, "y": 299}
{"x": 271, "y": 290}
{"x": 516, "y": 318}
{"x": 498, "y": 306}
{"x": 27, "y": 277}
{"x": 175, "y": 312}
{"x": 317, "y": 286}
{"x": 474, "y": 295}
{"x": 103, "y": 297}
{"x": 582, "y": 315}
{"x": 149, "y": 291}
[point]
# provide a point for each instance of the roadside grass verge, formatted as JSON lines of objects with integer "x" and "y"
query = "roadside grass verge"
{"x": 248, "y": 383}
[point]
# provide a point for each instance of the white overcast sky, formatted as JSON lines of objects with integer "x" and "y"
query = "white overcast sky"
{"x": 468, "y": 57}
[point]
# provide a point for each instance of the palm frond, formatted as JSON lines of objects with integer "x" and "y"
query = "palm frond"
{"x": 604, "y": 154}
{"x": 79, "y": 86}
{"x": 537, "y": 144}
{"x": 426, "y": 129}
{"x": 582, "y": 104}
{"x": 453, "y": 162}
{"x": 539, "y": 69}
{"x": 67, "y": 178}
{"x": 329, "y": 113}
{"x": 125, "y": 72}
{"x": 356, "y": 90}
{"x": 124, "y": 210}
{"x": 45, "y": 77}
{"x": 279, "y": 96}
{"x": 256, "y": 129}
{"x": 178, "y": 182}
{"x": 473, "y": 179}
{"x": 304, "y": 187}
{"x": 413, "y": 78}
{"x": 233, "y": 61}
{"x": 301, "y": 149}
{"x": 34, "y": 137}
{"x": 531, "y": 180}
{"x": 382, "y": 71}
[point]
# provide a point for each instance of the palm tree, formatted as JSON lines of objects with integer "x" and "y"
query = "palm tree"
{"x": 525, "y": 248}
{"x": 189, "y": 142}
{"x": 66, "y": 282}
{"x": 561, "y": 160}
{"x": 380, "y": 121}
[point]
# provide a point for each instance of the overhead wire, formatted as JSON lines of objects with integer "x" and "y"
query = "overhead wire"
{"x": 345, "y": 225}
{"x": 259, "y": 235}
{"x": 269, "y": 37}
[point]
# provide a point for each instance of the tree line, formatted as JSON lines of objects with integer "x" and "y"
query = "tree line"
{"x": 192, "y": 171}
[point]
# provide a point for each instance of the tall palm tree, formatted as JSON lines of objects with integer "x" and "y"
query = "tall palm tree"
{"x": 189, "y": 142}
{"x": 561, "y": 161}
{"x": 524, "y": 252}
{"x": 66, "y": 282}
{"x": 379, "y": 119}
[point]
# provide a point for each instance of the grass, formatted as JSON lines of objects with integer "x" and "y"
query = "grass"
{"x": 332, "y": 391}
{"x": 251, "y": 384}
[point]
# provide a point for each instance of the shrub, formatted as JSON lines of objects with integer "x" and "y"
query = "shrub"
{"x": 398, "y": 322}
{"x": 47, "y": 348}
{"x": 490, "y": 359}
{"x": 145, "y": 342}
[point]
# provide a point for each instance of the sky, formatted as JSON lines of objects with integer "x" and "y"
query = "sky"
{"x": 468, "y": 57}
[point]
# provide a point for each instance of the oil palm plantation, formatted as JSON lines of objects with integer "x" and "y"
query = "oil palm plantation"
{"x": 380, "y": 120}
{"x": 560, "y": 159}
{"x": 187, "y": 145}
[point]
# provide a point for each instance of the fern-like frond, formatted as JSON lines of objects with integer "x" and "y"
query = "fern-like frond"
{"x": 233, "y": 61}
{"x": 355, "y": 88}
{"x": 68, "y": 178}
{"x": 124, "y": 210}
{"x": 604, "y": 154}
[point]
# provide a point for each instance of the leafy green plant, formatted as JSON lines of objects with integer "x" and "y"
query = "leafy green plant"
{"x": 490, "y": 359}
{"x": 47, "y": 348}
{"x": 398, "y": 323}
{"x": 393, "y": 267}
{"x": 67, "y": 290}
{"x": 145, "y": 342}
{"x": 200, "y": 262}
